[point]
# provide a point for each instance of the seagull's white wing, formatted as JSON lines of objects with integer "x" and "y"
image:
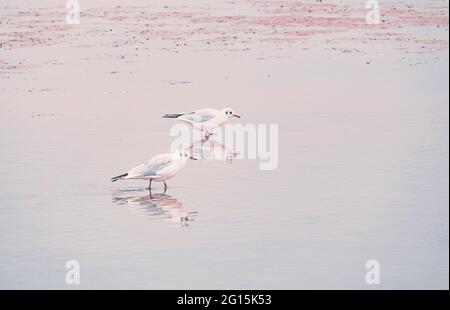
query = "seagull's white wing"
{"x": 199, "y": 116}
{"x": 151, "y": 168}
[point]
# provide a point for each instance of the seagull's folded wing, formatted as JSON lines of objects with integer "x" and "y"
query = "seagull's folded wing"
{"x": 200, "y": 116}
{"x": 151, "y": 167}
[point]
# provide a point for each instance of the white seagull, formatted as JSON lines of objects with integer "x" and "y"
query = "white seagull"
{"x": 204, "y": 119}
{"x": 159, "y": 168}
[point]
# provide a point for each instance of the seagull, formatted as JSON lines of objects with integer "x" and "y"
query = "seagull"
{"x": 159, "y": 168}
{"x": 204, "y": 119}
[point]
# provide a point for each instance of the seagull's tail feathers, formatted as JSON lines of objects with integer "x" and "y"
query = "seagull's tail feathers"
{"x": 176, "y": 115}
{"x": 173, "y": 115}
{"x": 114, "y": 179}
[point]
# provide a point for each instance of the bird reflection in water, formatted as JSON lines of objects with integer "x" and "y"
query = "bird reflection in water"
{"x": 158, "y": 206}
{"x": 212, "y": 150}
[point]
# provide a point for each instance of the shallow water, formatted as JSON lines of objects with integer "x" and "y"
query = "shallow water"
{"x": 362, "y": 171}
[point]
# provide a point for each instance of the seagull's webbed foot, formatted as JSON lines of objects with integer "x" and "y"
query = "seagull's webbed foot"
{"x": 207, "y": 135}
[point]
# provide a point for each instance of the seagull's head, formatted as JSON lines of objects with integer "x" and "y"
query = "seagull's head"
{"x": 229, "y": 112}
{"x": 184, "y": 155}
